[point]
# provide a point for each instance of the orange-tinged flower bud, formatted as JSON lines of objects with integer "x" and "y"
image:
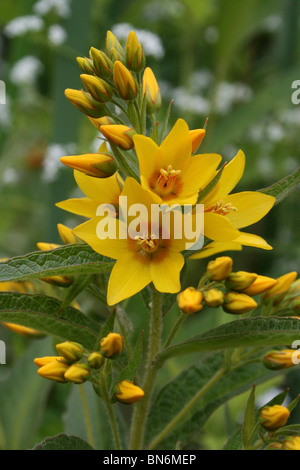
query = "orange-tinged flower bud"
{"x": 102, "y": 64}
{"x": 54, "y": 371}
{"x": 260, "y": 285}
{"x": 274, "y": 417}
{"x": 282, "y": 285}
{"x": 277, "y": 360}
{"x": 42, "y": 361}
{"x": 128, "y": 392}
{"x": 105, "y": 120}
{"x": 99, "y": 89}
{"x": 220, "y": 268}
{"x": 98, "y": 165}
{"x": 23, "y": 330}
{"x": 70, "y": 351}
{"x": 111, "y": 346}
{"x": 77, "y": 373}
{"x": 151, "y": 91}
{"x": 135, "y": 58}
{"x": 125, "y": 81}
{"x": 95, "y": 360}
{"x": 190, "y": 300}
{"x": 47, "y": 246}
{"x": 213, "y": 297}
{"x": 197, "y": 136}
{"x": 291, "y": 443}
{"x": 66, "y": 234}
{"x": 237, "y": 303}
{"x": 115, "y": 55}
{"x": 85, "y": 103}
{"x": 112, "y": 42}
{"x": 119, "y": 135}
{"x": 86, "y": 65}
{"x": 240, "y": 280}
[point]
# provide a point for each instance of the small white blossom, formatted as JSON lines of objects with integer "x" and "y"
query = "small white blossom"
{"x": 26, "y": 71}
{"x": 10, "y": 176}
{"x": 52, "y": 163}
{"x": 23, "y": 24}
{"x": 211, "y": 34}
{"x": 57, "y": 35}
{"x": 62, "y": 7}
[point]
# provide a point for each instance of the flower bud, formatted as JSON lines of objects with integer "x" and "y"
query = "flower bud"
{"x": 197, "y": 136}
{"x": 278, "y": 360}
{"x": 291, "y": 443}
{"x": 213, "y": 297}
{"x": 135, "y": 58}
{"x": 78, "y": 373}
{"x": 238, "y": 303}
{"x": 54, "y": 371}
{"x": 47, "y": 246}
{"x": 113, "y": 43}
{"x": 102, "y": 64}
{"x": 240, "y": 280}
{"x": 60, "y": 281}
{"x": 23, "y": 330}
{"x": 151, "y": 91}
{"x": 260, "y": 285}
{"x": 125, "y": 81}
{"x": 85, "y": 103}
{"x": 111, "y": 346}
{"x": 70, "y": 351}
{"x": 190, "y": 300}
{"x": 42, "y": 361}
{"x": 119, "y": 135}
{"x": 105, "y": 120}
{"x": 282, "y": 285}
{"x": 66, "y": 234}
{"x": 295, "y": 304}
{"x": 220, "y": 268}
{"x": 274, "y": 417}
{"x": 98, "y": 165}
{"x": 128, "y": 393}
{"x": 116, "y": 56}
{"x": 295, "y": 287}
{"x": 86, "y": 65}
{"x": 99, "y": 89}
{"x": 95, "y": 360}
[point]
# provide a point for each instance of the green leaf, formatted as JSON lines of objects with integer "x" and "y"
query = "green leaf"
{"x": 249, "y": 420}
{"x": 41, "y": 312}
{"x": 259, "y": 331}
{"x": 78, "y": 286}
{"x": 23, "y": 398}
{"x": 63, "y": 442}
{"x": 284, "y": 187}
{"x": 66, "y": 260}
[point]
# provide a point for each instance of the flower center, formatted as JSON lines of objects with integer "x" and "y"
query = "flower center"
{"x": 221, "y": 208}
{"x": 147, "y": 244}
{"x": 166, "y": 180}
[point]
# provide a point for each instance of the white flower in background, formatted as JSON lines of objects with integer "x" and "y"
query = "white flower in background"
{"x": 265, "y": 166}
{"x": 211, "y": 34}
{"x": 201, "y": 79}
{"x": 274, "y": 132}
{"x": 62, "y": 7}
{"x": 159, "y": 10}
{"x": 10, "y": 176}
{"x": 52, "y": 163}
{"x": 57, "y": 35}
{"x": 151, "y": 43}
{"x": 22, "y": 25}
{"x": 190, "y": 103}
{"x": 230, "y": 93}
{"x": 26, "y": 71}
{"x": 272, "y": 23}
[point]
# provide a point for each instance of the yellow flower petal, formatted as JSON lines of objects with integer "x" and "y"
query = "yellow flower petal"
{"x": 165, "y": 270}
{"x": 249, "y": 239}
{"x": 104, "y": 190}
{"x": 176, "y": 149}
{"x": 251, "y": 207}
{"x": 199, "y": 173}
{"x": 80, "y": 206}
{"x": 219, "y": 228}
{"x": 216, "y": 247}
{"x": 149, "y": 156}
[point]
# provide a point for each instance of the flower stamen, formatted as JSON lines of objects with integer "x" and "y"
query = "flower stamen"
{"x": 147, "y": 244}
{"x": 166, "y": 180}
{"x": 221, "y": 208}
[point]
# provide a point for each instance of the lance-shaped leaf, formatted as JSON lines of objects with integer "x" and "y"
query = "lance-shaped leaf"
{"x": 66, "y": 260}
{"x": 284, "y": 187}
{"x": 249, "y": 420}
{"x": 63, "y": 442}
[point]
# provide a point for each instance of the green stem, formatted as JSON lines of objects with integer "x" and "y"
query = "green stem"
{"x": 141, "y": 409}
{"x": 185, "y": 411}
{"x": 111, "y": 414}
{"x": 87, "y": 416}
{"x": 177, "y": 325}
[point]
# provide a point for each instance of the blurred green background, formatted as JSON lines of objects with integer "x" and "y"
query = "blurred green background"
{"x": 228, "y": 60}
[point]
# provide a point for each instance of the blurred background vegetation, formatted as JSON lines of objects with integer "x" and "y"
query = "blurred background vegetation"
{"x": 228, "y": 60}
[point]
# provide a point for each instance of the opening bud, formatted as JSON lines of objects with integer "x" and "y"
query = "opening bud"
{"x": 111, "y": 346}
{"x": 219, "y": 269}
{"x": 121, "y": 136}
{"x": 78, "y": 373}
{"x": 128, "y": 393}
{"x": 274, "y": 417}
{"x": 190, "y": 300}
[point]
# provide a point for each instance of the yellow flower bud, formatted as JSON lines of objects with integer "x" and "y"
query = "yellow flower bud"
{"x": 282, "y": 285}
{"x": 220, "y": 268}
{"x": 237, "y": 303}
{"x": 66, "y": 234}
{"x": 99, "y": 89}
{"x": 113, "y": 43}
{"x": 85, "y": 103}
{"x": 111, "y": 346}
{"x": 102, "y": 64}
{"x": 42, "y": 361}
{"x": 291, "y": 443}
{"x": 260, "y": 285}
{"x": 98, "y": 165}
{"x": 277, "y": 360}
{"x": 190, "y": 300}
{"x": 124, "y": 81}
{"x": 213, "y": 297}
{"x": 128, "y": 392}
{"x": 54, "y": 371}
{"x": 70, "y": 351}
{"x": 105, "y": 120}
{"x": 47, "y": 246}
{"x": 274, "y": 417}
{"x": 151, "y": 91}
{"x": 119, "y": 135}
{"x": 77, "y": 373}
{"x": 240, "y": 280}
{"x": 86, "y": 65}
{"x": 135, "y": 58}
{"x": 23, "y": 330}
{"x": 60, "y": 281}
{"x": 197, "y": 136}
{"x": 95, "y": 360}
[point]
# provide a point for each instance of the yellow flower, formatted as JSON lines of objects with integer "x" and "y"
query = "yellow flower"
{"x": 169, "y": 172}
{"x": 119, "y": 135}
{"x": 274, "y": 417}
{"x": 142, "y": 259}
{"x": 190, "y": 300}
{"x": 135, "y": 58}
{"x": 197, "y": 136}
{"x": 237, "y": 303}
{"x": 213, "y": 297}
{"x": 98, "y": 165}
{"x": 282, "y": 285}
{"x": 226, "y": 213}
{"x": 240, "y": 280}
{"x": 219, "y": 268}
{"x": 125, "y": 81}
{"x": 260, "y": 285}
{"x": 54, "y": 370}
{"x": 277, "y": 360}
{"x": 70, "y": 351}
{"x": 128, "y": 392}
{"x": 291, "y": 443}
{"x": 151, "y": 90}
{"x": 111, "y": 346}
{"x": 77, "y": 373}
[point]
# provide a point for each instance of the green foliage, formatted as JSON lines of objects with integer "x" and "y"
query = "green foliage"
{"x": 284, "y": 187}
{"x": 63, "y": 442}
